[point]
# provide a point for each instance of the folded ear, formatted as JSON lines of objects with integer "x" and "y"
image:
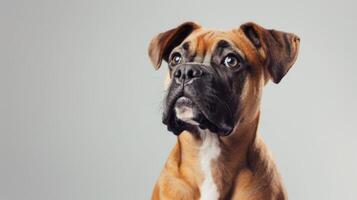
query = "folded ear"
{"x": 280, "y": 49}
{"x": 161, "y": 45}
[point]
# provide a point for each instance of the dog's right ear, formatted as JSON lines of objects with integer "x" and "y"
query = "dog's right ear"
{"x": 161, "y": 45}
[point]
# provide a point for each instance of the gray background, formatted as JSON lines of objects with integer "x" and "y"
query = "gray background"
{"x": 80, "y": 104}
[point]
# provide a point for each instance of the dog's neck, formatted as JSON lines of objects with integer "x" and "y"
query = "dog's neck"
{"x": 206, "y": 157}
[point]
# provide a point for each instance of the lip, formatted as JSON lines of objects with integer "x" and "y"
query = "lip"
{"x": 170, "y": 103}
{"x": 205, "y": 122}
{"x": 183, "y": 101}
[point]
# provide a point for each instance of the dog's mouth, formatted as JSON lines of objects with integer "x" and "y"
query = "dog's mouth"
{"x": 184, "y": 112}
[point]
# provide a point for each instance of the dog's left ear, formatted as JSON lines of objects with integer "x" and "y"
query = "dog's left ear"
{"x": 161, "y": 45}
{"x": 279, "y": 49}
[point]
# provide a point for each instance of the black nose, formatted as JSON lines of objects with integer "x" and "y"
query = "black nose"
{"x": 186, "y": 73}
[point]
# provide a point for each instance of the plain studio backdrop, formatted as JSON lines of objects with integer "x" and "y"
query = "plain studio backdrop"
{"x": 80, "y": 103}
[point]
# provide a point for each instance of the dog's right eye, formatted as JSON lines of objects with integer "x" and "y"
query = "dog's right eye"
{"x": 175, "y": 59}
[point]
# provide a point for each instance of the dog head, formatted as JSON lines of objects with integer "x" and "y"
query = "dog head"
{"x": 216, "y": 77}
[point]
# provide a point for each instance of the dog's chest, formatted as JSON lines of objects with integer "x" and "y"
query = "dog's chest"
{"x": 208, "y": 153}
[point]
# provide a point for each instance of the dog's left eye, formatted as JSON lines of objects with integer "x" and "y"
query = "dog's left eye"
{"x": 231, "y": 61}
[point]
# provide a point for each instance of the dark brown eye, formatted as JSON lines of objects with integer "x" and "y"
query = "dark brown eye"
{"x": 231, "y": 61}
{"x": 175, "y": 59}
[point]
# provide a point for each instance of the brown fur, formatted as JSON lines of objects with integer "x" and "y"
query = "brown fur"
{"x": 245, "y": 169}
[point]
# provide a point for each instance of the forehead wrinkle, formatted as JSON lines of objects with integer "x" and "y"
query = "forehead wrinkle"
{"x": 205, "y": 36}
{"x": 210, "y": 36}
{"x": 231, "y": 45}
{"x": 201, "y": 44}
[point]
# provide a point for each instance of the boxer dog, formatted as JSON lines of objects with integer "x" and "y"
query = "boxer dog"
{"x": 214, "y": 89}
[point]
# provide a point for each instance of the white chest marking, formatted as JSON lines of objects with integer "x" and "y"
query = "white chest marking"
{"x": 209, "y": 151}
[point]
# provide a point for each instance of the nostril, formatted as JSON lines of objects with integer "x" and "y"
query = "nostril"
{"x": 190, "y": 73}
{"x": 177, "y": 73}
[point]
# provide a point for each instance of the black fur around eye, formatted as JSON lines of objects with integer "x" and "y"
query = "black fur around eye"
{"x": 176, "y": 58}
